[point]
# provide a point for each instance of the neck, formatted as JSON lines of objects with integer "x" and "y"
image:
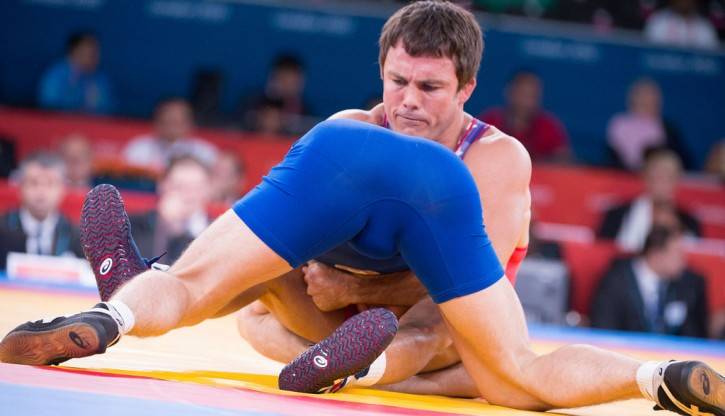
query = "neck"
{"x": 453, "y": 133}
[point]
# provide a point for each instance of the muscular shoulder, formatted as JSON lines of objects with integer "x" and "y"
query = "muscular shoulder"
{"x": 500, "y": 156}
{"x": 374, "y": 116}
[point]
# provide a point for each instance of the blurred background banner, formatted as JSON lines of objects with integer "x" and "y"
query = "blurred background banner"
{"x": 157, "y": 48}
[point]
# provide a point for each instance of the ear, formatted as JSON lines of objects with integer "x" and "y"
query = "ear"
{"x": 466, "y": 91}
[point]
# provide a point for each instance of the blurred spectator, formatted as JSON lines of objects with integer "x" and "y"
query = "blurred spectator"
{"x": 267, "y": 117}
{"x": 630, "y": 222}
{"x": 173, "y": 126}
{"x": 641, "y": 127}
{"x": 184, "y": 192}
{"x": 532, "y": 8}
{"x": 541, "y": 133}
{"x": 286, "y": 82}
{"x": 38, "y": 227}
{"x": 77, "y": 154}
{"x": 715, "y": 164}
{"x": 282, "y": 96}
{"x": 206, "y": 95}
{"x": 7, "y": 156}
{"x": 717, "y": 325}
{"x": 680, "y": 24}
{"x": 75, "y": 83}
{"x": 228, "y": 178}
{"x": 653, "y": 292}
{"x": 603, "y": 14}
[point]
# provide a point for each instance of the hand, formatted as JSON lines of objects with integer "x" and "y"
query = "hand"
{"x": 330, "y": 288}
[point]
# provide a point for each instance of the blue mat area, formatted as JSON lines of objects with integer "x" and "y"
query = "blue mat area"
{"x": 37, "y": 401}
{"x": 637, "y": 340}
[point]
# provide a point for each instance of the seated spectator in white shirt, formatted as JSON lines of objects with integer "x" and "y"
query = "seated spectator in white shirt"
{"x": 38, "y": 227}
{"x": 172, "y": 136}
{"x": 629, "y": 223}
{"x": 680, "y": 24}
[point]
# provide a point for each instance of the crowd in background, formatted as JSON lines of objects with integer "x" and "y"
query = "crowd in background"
{"x": 689, "y": 23}
{"x": 277, "y": 109}
{"x": 653, "y": 289}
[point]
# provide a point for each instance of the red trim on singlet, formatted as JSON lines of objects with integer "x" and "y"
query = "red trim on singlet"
{"x": 512, "y": 267}
{"x": 475, "y": 131}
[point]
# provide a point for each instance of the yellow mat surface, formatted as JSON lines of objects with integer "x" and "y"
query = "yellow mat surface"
{"x": 213, "y": 354}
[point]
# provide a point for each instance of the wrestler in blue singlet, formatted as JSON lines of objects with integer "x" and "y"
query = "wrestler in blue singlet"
{"x": 386, "y": 194}
{"x": 346, "y": 258}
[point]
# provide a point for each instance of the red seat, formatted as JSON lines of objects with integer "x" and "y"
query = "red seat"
{"x": 713, "y": 269}
{"x": 587, "y": 264}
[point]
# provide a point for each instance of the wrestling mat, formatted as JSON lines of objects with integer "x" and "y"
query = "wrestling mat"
{"x": 210, "y": 370}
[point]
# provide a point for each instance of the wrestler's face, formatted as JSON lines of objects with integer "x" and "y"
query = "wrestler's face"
{"x": 421, "y": 95}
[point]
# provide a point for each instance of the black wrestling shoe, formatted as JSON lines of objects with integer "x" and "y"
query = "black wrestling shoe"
{"x": 348, "y": 351}
{"x": 53, "y": 342}
{"x": 691, "y": 388}
{"x": 107, "y": 241}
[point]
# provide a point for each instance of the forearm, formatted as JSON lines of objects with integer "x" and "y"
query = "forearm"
{"x": 400, "y": 289}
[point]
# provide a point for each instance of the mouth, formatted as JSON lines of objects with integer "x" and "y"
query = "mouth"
{"x": 410, "y": 121}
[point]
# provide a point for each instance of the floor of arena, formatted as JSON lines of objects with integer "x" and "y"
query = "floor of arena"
{"x": 209, "y": 369}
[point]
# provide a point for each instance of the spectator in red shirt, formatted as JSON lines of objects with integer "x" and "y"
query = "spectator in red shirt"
{"x": 543, "y": 135}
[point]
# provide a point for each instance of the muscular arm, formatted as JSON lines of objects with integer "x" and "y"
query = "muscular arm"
{"x": 501, "y": 169}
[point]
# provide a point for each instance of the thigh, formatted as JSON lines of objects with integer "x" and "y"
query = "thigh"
{"x": 222, "y": 262}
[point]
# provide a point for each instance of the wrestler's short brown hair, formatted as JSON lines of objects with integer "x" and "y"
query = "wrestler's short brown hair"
{"x": 437, "y": 29}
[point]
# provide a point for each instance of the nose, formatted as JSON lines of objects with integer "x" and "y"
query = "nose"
{"x": 411, "y": 98}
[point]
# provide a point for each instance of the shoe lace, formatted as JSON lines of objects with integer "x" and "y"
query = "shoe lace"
{"x": 151, "y": 261}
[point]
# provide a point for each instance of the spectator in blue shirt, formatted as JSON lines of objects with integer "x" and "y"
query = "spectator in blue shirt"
{"x": 75, "y": 83}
